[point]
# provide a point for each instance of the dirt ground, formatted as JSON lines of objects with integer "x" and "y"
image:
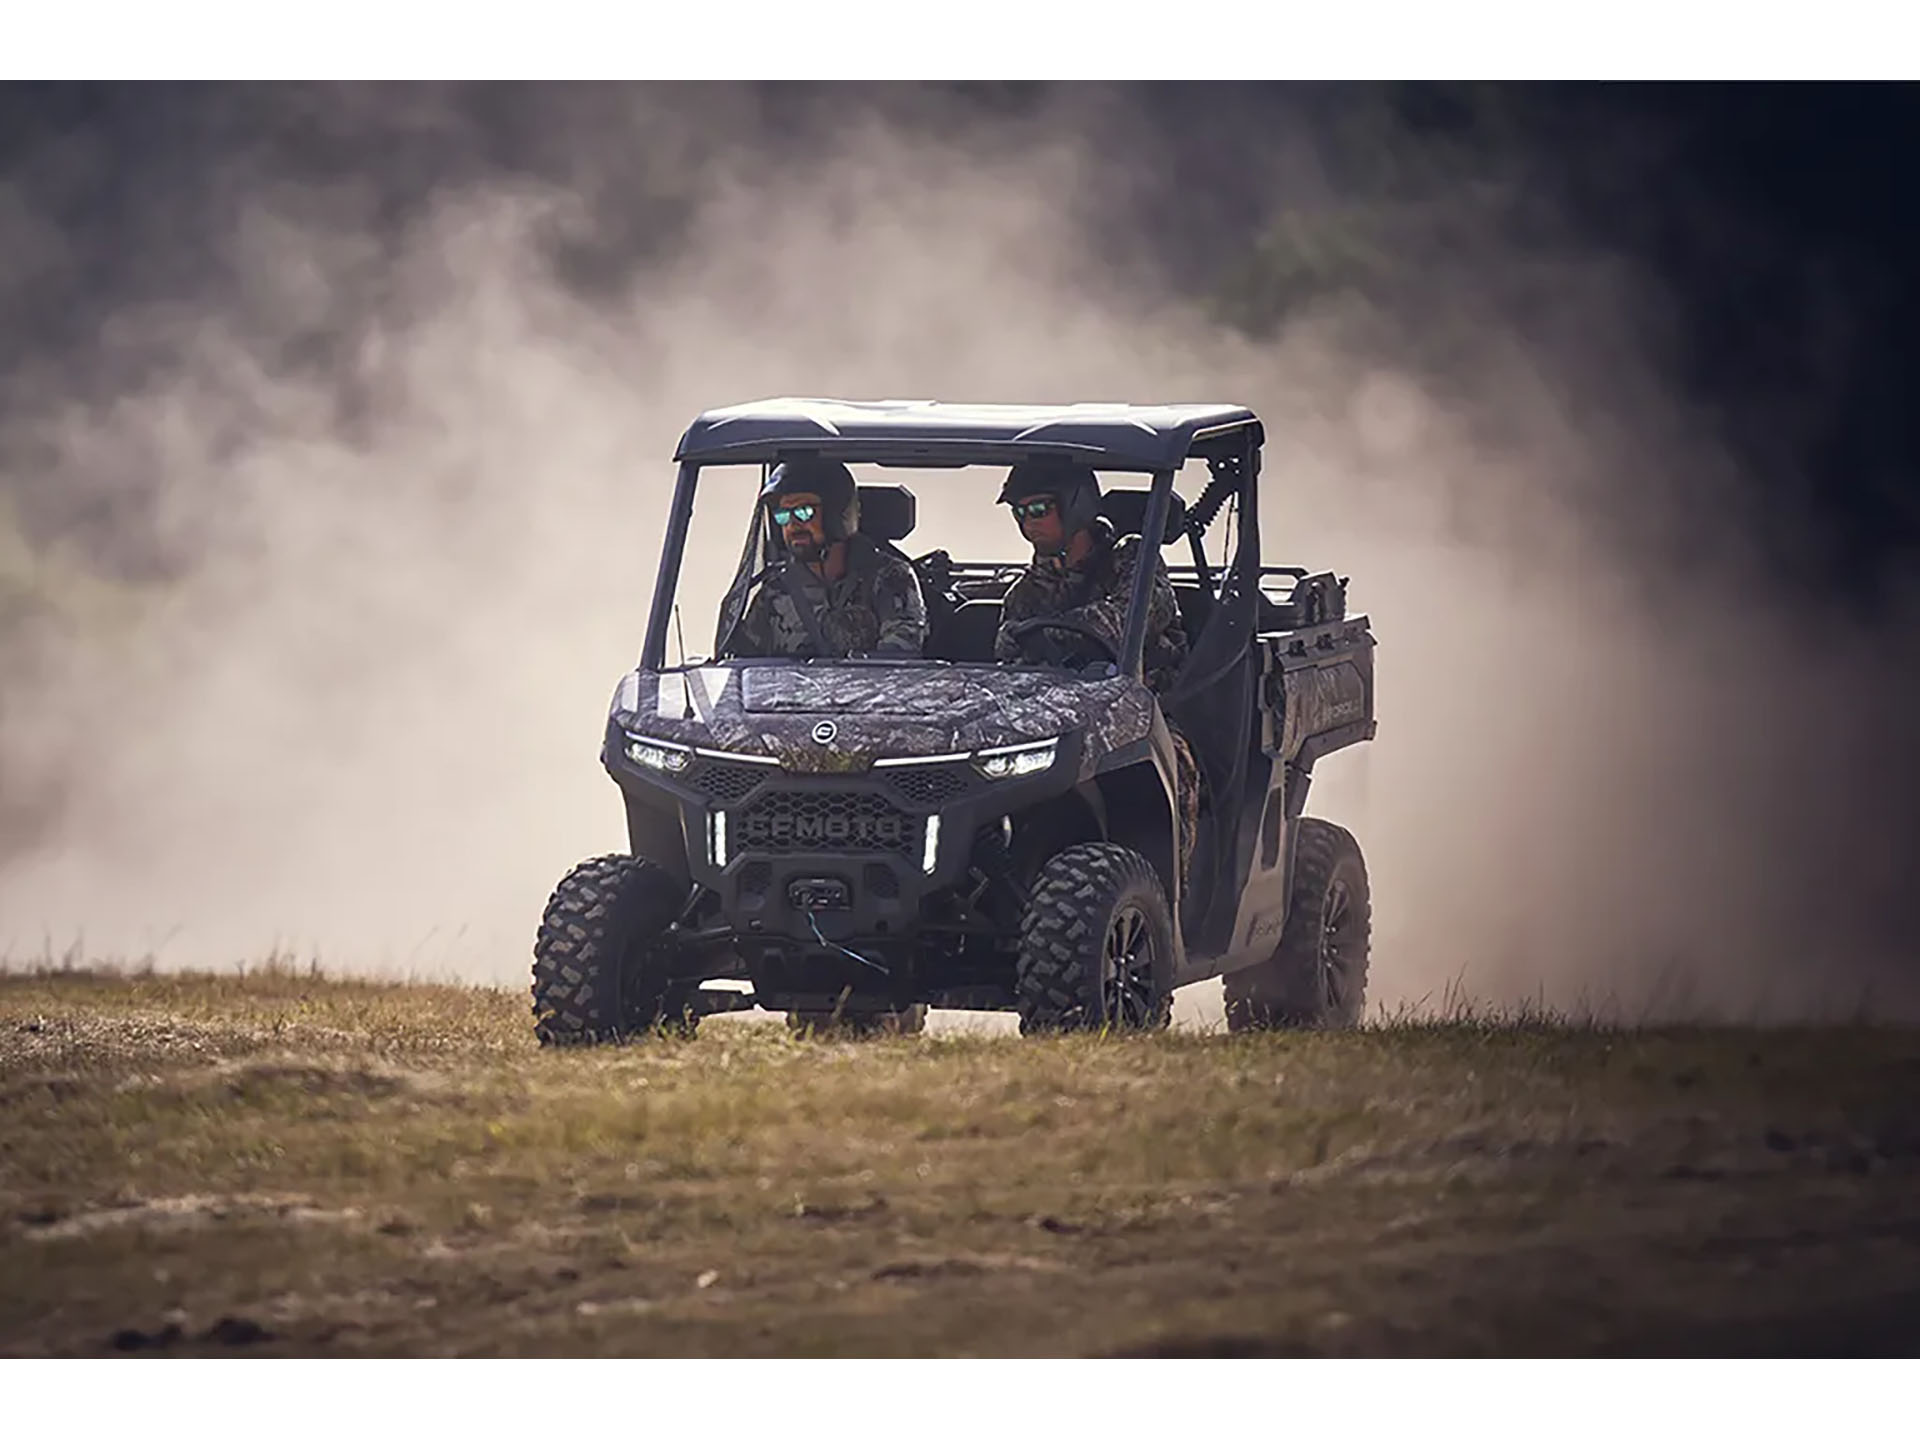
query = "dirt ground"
{"x": 287, "y": 1164}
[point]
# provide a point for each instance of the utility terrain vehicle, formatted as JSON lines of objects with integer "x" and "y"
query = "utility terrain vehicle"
{"x": 865, "y": 838}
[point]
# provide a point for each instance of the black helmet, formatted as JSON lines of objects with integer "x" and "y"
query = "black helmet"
{"x": 1068, "y": 481}
{"x": 830, "y": 480}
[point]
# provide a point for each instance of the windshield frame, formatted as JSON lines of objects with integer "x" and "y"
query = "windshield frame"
{"x": 680, "y": 517}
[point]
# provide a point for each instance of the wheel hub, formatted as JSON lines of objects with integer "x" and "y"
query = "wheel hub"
{"x": 1333, "y": 940}
{"x": 1126, "y": 970}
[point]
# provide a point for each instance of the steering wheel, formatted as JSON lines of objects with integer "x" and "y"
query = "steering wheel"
{"x": 1083, "y": 628}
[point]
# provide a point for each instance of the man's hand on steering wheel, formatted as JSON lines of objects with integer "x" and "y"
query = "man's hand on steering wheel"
{"x": 1086, "y": 630}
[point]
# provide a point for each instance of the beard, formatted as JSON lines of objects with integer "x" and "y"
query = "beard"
{"x": 806, "y": 547}
{"x": 1051, "y": 548}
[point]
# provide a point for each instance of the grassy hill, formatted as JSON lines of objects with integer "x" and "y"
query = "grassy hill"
{"x": 294, "y": 1164}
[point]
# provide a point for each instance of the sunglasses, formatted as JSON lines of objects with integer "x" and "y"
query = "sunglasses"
{"x": 802, "y": 513}
{"x": 1033, "y": 510}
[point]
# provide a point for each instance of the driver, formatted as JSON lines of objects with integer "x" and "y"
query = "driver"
{"x": 840, "y": 594}
{"x": 1081, "y": 574}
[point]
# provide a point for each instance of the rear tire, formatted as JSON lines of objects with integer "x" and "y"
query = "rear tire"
{"x": 825, "y": 1025}
{"x": 599, "y": 968}
{"x": 1096, "y": 944}
{"x": 1317, "y": 975}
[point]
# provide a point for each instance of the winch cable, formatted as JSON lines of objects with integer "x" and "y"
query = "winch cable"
{"x": 814, "y": 925}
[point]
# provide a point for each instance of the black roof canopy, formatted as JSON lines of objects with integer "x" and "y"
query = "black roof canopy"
{"x": 927, "y": 432}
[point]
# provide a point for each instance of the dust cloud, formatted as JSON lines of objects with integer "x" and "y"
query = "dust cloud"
{"x": 405, "y": 477}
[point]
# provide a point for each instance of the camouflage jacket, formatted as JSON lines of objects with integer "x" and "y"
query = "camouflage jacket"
{"x": 1099, "y": 594}
{"x": 875, "y": 608}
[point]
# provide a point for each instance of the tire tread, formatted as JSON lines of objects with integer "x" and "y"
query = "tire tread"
{"x": 600, "y": 919}
{"x": 1284, "y": 990}
{"x": 1059, "y": 956}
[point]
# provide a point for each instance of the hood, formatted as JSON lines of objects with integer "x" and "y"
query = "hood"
{"x": 877, "y": 710}
{"x": 959, "y": 696}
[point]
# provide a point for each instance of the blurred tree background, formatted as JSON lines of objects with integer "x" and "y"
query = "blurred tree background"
{"x": 1773, "y": 229}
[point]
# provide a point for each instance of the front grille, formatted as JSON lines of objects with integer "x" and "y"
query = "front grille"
{"x": 932, "y": 784}
{"x": 882, "y": 882}
{"x": 727, "y": 782}
{"x": 781, "y": 822}
{"x": 755, "y": 878}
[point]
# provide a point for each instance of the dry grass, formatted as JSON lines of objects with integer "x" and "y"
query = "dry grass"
{"x": 307, "y": 1165}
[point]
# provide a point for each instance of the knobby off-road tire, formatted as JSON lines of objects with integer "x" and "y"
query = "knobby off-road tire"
{"x": 1096, "y": 944}
{"x": 825, "y": 1025}
{"x": 1317, "y": 975}
{"x": 599, "y": 970}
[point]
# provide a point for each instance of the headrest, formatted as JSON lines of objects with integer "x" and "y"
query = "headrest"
{"x": 1127, "y": 509}
{"x": 887, "y": 512}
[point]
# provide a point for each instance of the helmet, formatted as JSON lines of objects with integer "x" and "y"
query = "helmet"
{"x": 1068, "y": 481}
{"x": 830, "y": 480}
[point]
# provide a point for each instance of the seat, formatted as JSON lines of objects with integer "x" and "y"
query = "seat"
{"x": 967, "y": 633}
{"x": 887, "y": 513}
{"x": 1194, "y": 606}
{"x": 1127, "y": 509}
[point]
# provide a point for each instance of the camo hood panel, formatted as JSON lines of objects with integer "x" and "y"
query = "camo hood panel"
{"x": 960, "y": 696}
{"x": 778, "y": 711}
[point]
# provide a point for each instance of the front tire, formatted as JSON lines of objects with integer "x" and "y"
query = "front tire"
{"x": 1317, "y": 975}
{"x": 600, "y": 971}
{"x": 1096, "y": 944}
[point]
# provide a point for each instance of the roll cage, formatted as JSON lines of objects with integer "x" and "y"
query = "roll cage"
{"x": 923, "y": 435}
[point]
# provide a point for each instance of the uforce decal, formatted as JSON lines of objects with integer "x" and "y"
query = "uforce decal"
{"x": 1266, "y": 927}
{"x": 830, "y": 829}
{"x": 1322, "y": 698}
{"x": 1343, "y": 712}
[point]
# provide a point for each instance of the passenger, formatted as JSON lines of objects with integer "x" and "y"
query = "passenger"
{"x": 1080, "y": 573}
{"x": 841, "y": 594}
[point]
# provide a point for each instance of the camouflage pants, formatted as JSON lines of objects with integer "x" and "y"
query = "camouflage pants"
{"x": 1187, "y": 799}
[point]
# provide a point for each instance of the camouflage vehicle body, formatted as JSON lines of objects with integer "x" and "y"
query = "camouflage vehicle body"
{"x": 833, "y": 824}
{"x": 855, "y": 807}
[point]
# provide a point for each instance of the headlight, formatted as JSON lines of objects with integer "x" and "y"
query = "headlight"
{"x": 658, "y": 755}
{"x": 1016, "y": 760}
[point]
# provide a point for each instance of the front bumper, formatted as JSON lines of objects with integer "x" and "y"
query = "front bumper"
{"x": 813, "y": 858}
